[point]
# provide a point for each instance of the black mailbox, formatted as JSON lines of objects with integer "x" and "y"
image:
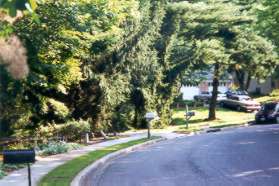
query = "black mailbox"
{"x": 18, "y": 156}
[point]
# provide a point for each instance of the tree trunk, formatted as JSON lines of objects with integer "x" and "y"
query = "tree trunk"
{"x": 213, "y": 101}
{"x": 248, "y": 81}
{"x": 240, "y": 76}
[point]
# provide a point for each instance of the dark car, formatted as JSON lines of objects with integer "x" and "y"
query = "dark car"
{"x": 241, "y": 103}
{"x": 267, "y": 113}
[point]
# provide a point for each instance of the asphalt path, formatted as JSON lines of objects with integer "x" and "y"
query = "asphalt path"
{"x": 239, "y": 157}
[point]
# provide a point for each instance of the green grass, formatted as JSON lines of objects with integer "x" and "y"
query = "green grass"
{"x": 225, "y": 118}
{"x": 266, "y": 99}
{"x": 64, "y": 174}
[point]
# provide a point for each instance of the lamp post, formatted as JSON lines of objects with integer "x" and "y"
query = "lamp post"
{"x": 149, "y": 116}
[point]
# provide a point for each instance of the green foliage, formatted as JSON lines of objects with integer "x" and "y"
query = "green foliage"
{"x": 110, "y": 61}
{"x": 59, "y": 109}
{"x": 268, "y": 20}
{"x": 6, "y": 168}
{"x": 13, "y": 6}
{"x": 53, "y": 148}
{"x": 2, "y": 173}
{"x": 74, "y": 130}
{"x": 275, "y": 93}
{"x": 220, "y": 34}
{"x": 46, "y": 132}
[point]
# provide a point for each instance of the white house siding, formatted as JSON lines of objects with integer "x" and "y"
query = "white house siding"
{"x": 263, "y": 87}
{"x": 222, "y": 89}
{"x": 189, "y": 92}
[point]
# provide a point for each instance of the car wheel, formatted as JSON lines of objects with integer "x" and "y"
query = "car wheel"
{"x": 277, "y": 120}
{"x": 238, "y": 108}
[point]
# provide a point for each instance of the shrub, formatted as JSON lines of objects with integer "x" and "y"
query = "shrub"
{"x": 5, "y": 168}
{"x": 44, "y": 133}
{"x": 53, "y": 148}
{"x": 157, "y": 124}
{"x": 74, "y": 130}
{"x": 2, "y": 173}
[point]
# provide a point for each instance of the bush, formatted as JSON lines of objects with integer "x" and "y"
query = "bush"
{"x": 74, "y": 130}
{"x": 5, "y": 168}
{"x": 44, "y": 133}
{"x": 2, "y": 173}
{"x": 53, "y": 148}
{"x": 157, "y": 124}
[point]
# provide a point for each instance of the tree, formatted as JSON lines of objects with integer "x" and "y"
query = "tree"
{"x": 268, "y": 20}
{"x": 253, "y": 56}
{"x": 17, "y": 5}
{"x": 12, "y": 52}
{"x": 215, "y": 33}
{"x": 93, "y": 60}
{"x": 70, "y": 55}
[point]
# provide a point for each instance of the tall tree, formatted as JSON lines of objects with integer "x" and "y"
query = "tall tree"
{"x": 215, "y": 33}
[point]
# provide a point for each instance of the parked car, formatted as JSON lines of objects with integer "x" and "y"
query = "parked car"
{"x": 221, "y": 96}
{"x": 241, "y": 103}
{"x": 206, "y": 96}
{"x": 269, "y": 112}
{"x": 203, "y": 96}
{"x": 237, "y": 92}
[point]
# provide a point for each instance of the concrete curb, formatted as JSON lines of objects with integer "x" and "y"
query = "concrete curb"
{"x": 101, "y": 162}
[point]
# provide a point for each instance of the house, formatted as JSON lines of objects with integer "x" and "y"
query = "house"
{"x": 257, "y": 87}
{"x": 263, "y": 87}
{"x": 189, "y": 91}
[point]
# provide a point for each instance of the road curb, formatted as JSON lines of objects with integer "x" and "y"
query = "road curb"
{"x": 101, "y": 162}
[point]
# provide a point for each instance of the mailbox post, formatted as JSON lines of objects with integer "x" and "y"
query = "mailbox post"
{"x": 20, "y": 157}
{"x": 188, "y": 116}
{"x": 149, "y": 117}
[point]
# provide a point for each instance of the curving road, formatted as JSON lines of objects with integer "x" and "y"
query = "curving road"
{"x": 243, "y": 156}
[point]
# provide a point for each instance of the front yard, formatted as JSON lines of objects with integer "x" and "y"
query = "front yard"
{"x": 225, "y": 118}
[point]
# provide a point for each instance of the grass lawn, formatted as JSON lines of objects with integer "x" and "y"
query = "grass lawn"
{"x": 64, "y": 174}
{"x": 225, "y": 118}
{"x": 266, "y": 99}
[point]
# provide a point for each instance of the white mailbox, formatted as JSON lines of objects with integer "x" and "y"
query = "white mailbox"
{"x": 151, "y": 116}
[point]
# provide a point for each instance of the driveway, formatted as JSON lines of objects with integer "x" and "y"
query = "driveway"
{"x": 243, "y": 156}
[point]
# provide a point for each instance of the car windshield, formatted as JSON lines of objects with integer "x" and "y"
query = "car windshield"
{"x": 240, "y": 92}
{"x": 245, "y": 99}
{"x": 269, "y": 106}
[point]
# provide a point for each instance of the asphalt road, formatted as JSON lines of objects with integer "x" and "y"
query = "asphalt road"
{"x": 244, "y": 156}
